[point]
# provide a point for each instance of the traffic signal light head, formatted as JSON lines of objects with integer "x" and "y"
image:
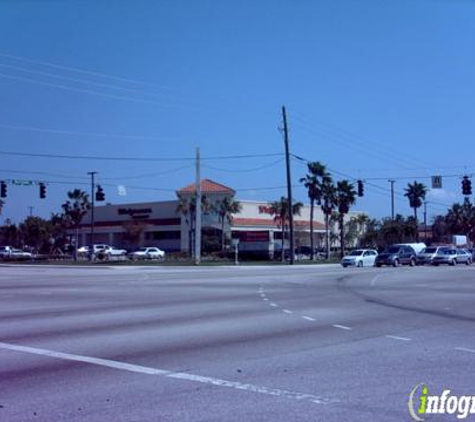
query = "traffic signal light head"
{"x": 42, "y": 190}
{"x": 360, "y": 188}
{"x": 3, "y": 189}
{"x": 100, "y": 195}
{"x": 466, "y": 185}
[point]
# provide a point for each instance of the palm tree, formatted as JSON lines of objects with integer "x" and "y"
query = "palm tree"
{"x": 225, "y": 208}
{"x": 280, "y": 210}
{"x": 75, "y": 209}
{"x": 361, "y": 221}
{"x": 345, "y": 198}
{"x": 416, "y": 193}
{"x": 187, "y": 207}
{"x": 328, "y": 206}
{"x": 313, "y": 181}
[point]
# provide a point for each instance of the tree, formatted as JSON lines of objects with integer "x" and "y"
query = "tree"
{"x": 75, "y": 208}
{"x": 187, "y": 208}
{"x": 328, "y": 206}
{"x": 133, "y": 231}
{"x": 416, "y": 193}
{"x": 225, "y": 208}
{"x": 313, "y": 182}
{"x": 280, "y": 210}
{"x": 460, "y": 219}
{"x": 35, "y": 233}
{"x": 345, "y": 198}
{"x": 57, "y": 229}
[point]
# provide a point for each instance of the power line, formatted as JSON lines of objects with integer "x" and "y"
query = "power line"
{"x": 76, "y": 80}
{"x": 280, "y": 160}
{"x": 76, "y": 69}
{"x": 151, "y": 159}
{"x": 85, "y": 91}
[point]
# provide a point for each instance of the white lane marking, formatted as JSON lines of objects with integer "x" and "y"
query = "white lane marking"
{"x": 175, "y": 375}
{"x": 274, "y": 305}
{"x": 287, "y": 311}
{"x": 398, "y": 338}
{"x": 373, "y": 281}
{"x": 309, "y": 318}
{"x": 464, "y": 349}
{"x": 265, "y": 299}
{"x": 342, "y": 327}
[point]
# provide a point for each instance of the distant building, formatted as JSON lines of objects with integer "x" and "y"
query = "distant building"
{"x": 161, "y": 224}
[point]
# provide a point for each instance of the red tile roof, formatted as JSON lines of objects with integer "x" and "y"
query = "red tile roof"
{"x": 207, "y": 186}
{"x": 271, "y": 222}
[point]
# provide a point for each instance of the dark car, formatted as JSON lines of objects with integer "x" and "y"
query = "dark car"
{"x": 396, "y": 255}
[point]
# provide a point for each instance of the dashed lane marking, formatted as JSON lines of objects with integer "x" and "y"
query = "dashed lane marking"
{"x": 342, "y": 327}
{"x": 398, "y": 338}
{"x": 309, "y": 318}
{"x": 287, "y": 311}
{"x": 169, "y": 374}
{"x": 464, "y": 349}
{"x": 274, "y": 305}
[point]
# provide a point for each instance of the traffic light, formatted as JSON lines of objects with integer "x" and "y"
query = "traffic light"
{"x": 42, "y": 190}
{"x": 3, "y": 189}
{"x": 360, "y": 188}
{"x": 100, "y": 195}
{"x": 466, "y": 185}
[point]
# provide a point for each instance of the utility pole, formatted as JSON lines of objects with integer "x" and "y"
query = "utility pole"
{"x": 425, "y": 221}
{"x": 289, "y": 187}
{"x": 198, "y": 211}
{"x": 30, "y": 208}
{"x": 91, "y": 252}
{"x": 392, "y": 181}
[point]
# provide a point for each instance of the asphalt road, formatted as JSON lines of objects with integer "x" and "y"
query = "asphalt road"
{"x": 231, "y": 344}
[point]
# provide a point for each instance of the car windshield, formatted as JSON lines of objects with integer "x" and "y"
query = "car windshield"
{"x": 142, "y": 249}
{"x": 355, "y": 253}
{"x": 392, "y": 249}
{"x": 429, "y": 250}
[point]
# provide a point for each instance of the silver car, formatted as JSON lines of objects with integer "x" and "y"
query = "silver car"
{"x": 452, "y": 256}
{"x": 427, "y": 254}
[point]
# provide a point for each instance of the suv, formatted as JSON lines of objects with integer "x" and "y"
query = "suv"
{"x": 396, "y": 255}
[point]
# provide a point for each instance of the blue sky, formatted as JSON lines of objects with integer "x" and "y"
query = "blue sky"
{"x": 374, "y": 89}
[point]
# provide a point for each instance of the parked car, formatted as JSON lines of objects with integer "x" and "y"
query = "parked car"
{"x": 446, "y": 256}
{"x": 9, "y": 253}
{"x": 113, "y": 251}
{"x": 147, "y": 253}
{"x": 396, "y": 255}
{"x": 5, "y": 252}
{"x": 427, "y": 254}
{"x": 84, "y": 250}
{"x": 360, "y": 258}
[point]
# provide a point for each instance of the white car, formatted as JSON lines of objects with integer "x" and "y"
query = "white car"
{"x": 84, "y": 250}
{"x": 113, "y": 251}
{"x": 360, "y": 258}
{"x": 147, "y": 253}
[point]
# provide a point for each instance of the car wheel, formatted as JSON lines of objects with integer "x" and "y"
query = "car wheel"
{"x": 378, "y": 265}
{"x": 453, "y": 262}
{"x": 468, "y": 262}
{"x": 435, "y": 264}
{"x": 344, "y": 265}
{"x": 396, "y": 263}
{"x": 412, "y": 263}
{"x": 360, "y": 264}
